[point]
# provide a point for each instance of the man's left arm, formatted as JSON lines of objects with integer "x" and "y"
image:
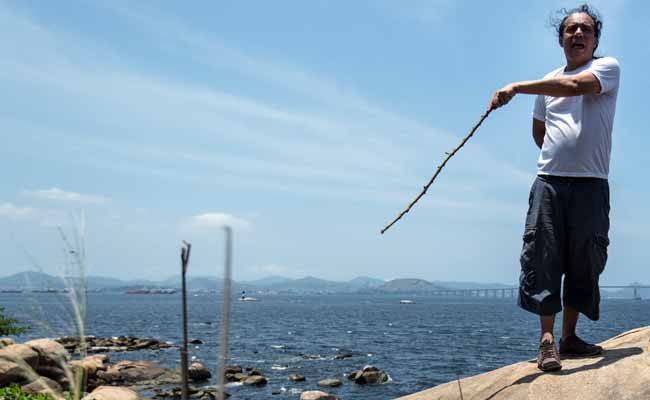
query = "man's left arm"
{"x": 562, "y": 86}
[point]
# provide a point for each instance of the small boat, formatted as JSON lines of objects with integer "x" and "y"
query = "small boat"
{"x": 407, "y": 301}
{"x": 246, "y": 298}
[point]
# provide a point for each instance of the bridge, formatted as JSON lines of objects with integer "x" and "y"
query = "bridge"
{"x": 512, "y": 291}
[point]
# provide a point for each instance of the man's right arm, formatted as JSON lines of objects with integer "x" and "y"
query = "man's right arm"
{"x": 539, "y": 130}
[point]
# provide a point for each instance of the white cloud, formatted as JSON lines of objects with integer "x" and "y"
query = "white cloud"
{"x": 44, "y": 217}
{"x": 215, "y": 221}
{"x": 57, "y": 194}
{"x": 10, "y": 211}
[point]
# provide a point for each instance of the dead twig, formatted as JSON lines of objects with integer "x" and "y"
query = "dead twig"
{"x": 440, "y": 167}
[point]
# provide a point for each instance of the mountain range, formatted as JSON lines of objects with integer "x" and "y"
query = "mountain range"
{"x": 34, "y": 280}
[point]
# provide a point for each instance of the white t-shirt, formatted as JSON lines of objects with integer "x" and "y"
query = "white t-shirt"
{"x": 578, "y": 139}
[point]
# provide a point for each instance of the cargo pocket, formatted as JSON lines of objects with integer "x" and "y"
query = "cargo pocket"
{"x": 528, "y": 261}
{"x": 600, "y": 251}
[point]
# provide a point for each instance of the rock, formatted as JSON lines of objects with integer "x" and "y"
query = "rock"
{"x": 253, "y": 371}
{"x": 52, "y": 359}
{"x": 232, "y": 369}
{"x": 330, "y": 383}
{"x": 92, "y": 364}
{"x": 239, "y": 376}
{"x": 117, "y": 344}
{"x": 196, "y": 341}
{"x": 50, "y": 353}
{"x": 622, "y": 371}
{"x": 42, "y": 385}
{"x": 370, "y": 375}
{"x": 317, "y": 395}
{"x": 17, "y": 352}
{"x": 198, "y": 372}
{"x": 6, "y": 341}
{"x": 131, "y": 372}
{"x": 296, "y": 378}
{"x": 112, "y": 393}
{"x": 256, "y": 380}
{"x": 17, "y": 364}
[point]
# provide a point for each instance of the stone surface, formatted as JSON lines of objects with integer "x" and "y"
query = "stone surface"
{"x": 368, "y": 375}
{"x": 115, "y": 344}
{"x": 621, "y": 372}
{"x": 330, "y": 383}
{"x": 50, "y": 353}
{"x": 42, "y": 385}
{"x": 131, "y": 372}
{"x": 52, "y": 359}
{"x": 317, "y": 395}
{"x": 198, "y": 372}
{"x": 6, "y": 341}
{"x": 255, "y": 380}
{"x": 112, "y": 393}
{"x": 16, "y": 352}
{"x": 296, "y": 378}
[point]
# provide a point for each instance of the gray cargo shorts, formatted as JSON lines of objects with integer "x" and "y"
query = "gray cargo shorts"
{"x": 566, "y": 234}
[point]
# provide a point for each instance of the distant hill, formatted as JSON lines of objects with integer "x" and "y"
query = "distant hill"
{"x": 31, "y": 280}
{"x": 267, "y": 281}
{"x": 409, "y": 285}
{"x": 309, "y": 284}
{"x": 278, "y": 284}
{"x": 365, "y": 282}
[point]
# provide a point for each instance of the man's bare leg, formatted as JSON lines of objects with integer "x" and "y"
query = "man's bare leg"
{"x": 547, "y": 357}
{"x": 569, "y": 321}
{"x": 547, "y": 323}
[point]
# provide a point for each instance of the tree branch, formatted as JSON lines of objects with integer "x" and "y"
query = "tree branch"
{"x": 440, "y": 167}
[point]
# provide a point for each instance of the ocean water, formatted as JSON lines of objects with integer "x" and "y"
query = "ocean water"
{"x": 419, "y": 345}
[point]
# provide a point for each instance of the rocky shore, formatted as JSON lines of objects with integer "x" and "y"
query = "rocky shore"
{"x": 46, "y": 366}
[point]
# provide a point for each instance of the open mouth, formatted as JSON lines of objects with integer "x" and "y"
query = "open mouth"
{"x": 578, "y": 46}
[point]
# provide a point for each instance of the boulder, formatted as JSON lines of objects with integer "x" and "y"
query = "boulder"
{"x": 116, "y": 344}
{"x": 42, "y": 385}
{"x": 112, "y": 393}
{"x": 232, "y": 369}
{"x": 52, "y": 359}
{"x": 369, "y": 375}
{"x": 256, "y": 380}
{"x": 240, "y": 376}
{"x": 622, "y": 371}
{"x": 131, "y": 372}
{"x": 18, "y": 364}
{"x": 296, "y": 378}
{"x": 17, "y": 352}
{"x": 50, "y": 353}
{"x": 11, "y": 372}
{"x": 6, "y": 341}
{"x": 317, "y": 395}
{"x": 198, "y": 372}
{"x": 91, "y": 364}
{"x": 330, "y": 383}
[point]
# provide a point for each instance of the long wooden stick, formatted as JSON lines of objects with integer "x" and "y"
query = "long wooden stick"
{"x": 440, "y": 167}
{"x": 225, "y": 315}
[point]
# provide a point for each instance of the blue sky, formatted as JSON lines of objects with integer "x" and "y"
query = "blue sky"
{"x": 305, "y": 125}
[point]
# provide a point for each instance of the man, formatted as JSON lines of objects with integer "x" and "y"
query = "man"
{"x": 566, "y": 230}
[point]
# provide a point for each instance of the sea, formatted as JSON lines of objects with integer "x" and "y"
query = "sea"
{"x": 421, "y": 345}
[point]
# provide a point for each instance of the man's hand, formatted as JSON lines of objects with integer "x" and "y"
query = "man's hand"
{"x": 501, "y": 97}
